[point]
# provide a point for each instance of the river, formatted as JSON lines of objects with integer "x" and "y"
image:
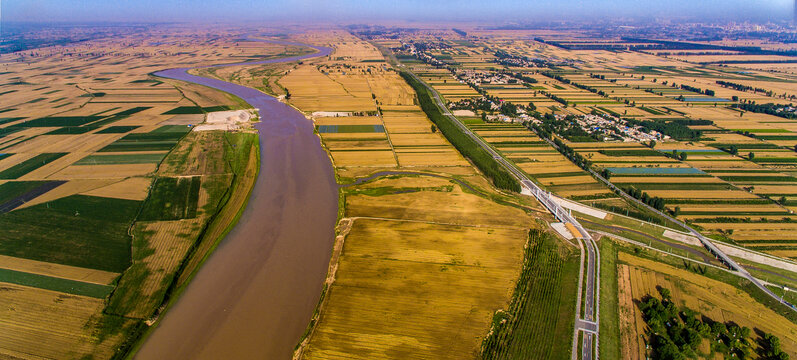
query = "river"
{"x": 255, "y": 295}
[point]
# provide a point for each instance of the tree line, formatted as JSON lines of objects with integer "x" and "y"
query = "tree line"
{"x": 771, "y": 109}
{"x": 676, "y": 130}
{"x": 462, "y": 142}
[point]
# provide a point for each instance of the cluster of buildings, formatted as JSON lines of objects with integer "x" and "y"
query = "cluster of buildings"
{"x": 418, "y": 51}
{"x": 613, "y": 128}
{"x": 479, "y": 77}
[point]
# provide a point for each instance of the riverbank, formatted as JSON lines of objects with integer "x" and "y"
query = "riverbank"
{"x": 256, "y": 292}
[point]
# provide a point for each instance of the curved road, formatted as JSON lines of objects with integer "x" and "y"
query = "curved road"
{"x": 707, "y": 243}
{"x": 255, "y": 295}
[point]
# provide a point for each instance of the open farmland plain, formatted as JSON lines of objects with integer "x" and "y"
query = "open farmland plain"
{"x": 682, "y": 138}
{"x": 108, "y": 200}
{"x": 718, "y": 167}
{"x": 395, "y": 248}
{"x": 116, "y": 185}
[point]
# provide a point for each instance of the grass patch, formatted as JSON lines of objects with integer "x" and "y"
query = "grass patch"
{"x": 609, "y": 308}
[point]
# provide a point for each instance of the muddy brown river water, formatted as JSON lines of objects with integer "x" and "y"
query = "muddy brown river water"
{"x": 255, "y": 295}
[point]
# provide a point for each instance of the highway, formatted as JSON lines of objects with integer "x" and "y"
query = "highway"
{"x": 707, "y": 243}
{"x": 588, "y": 322}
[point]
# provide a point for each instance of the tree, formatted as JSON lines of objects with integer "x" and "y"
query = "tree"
{"x": 751, "y": 155}
{"x": 434, "y": 128}
{"x": 484, "y": 116}
{"x": 652, "y": 144}
{"x": 683, "y": 156}
{"x": 677, "y": 211}
{"x": 782, "y": 200}
{"x": 287, "y": 94}
{"x": 532, "y": 107}
{"x": 665, "y": 293}
{"x": 745, "y": 332}
{"x": 734, "y": 150}
{"x": 718, "y": 328}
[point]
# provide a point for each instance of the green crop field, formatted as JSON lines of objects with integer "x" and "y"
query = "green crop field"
{"x": 196, "y": 109}
{"x": 117, "y": 129}
{"x": 122, "y": 146}
{"x": 160, "y": 139}
{"x": 172, "y": 199}
{"x": 539, "y": 321}
{"x": 13, "y": 189}
{"x": 78, "y": 230}
{"x": 181, "y": 129}
{"x": 73, "y": 130}
{"x": 55, "y": 284}
{"x": 631, "y": 152}
{"x": 29, "y": 165}
{"x": 120, "y": 159}
{"x": 58, "y": 121}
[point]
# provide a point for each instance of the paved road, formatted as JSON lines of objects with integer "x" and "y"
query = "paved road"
{"x": 707, "y": 243}
{"x": 697, "y": 253}
{"x": 559, "y": 213}
{"x": 586, "y": 351}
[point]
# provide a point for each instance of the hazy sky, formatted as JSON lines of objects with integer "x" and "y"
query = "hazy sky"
{"x": 348, "y": 11}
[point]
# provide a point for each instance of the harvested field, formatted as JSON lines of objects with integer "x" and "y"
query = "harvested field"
{"x": 158, "y": 249}
{"x": 134, "y": 188}
{"x": 448, "y": 271}
{"x": 27, "y": 315}
{"x": 56, "y": 270}
{"x": 104, "y": 171}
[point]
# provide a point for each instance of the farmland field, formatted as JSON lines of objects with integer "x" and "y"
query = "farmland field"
{"x": 89, "y": 236}
{"x": 116, "y": 185}
{"x": 718, "y": 301}
{"x": 449, "y": 267}
{"x": 540, "y": 305}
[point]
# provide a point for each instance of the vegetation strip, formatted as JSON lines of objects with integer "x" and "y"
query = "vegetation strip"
{"x": 501, "y": 178}
{"x": 55, "y": 284}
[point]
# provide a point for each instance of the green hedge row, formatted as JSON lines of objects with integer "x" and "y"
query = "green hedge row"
{"x": 464, "y": 143}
